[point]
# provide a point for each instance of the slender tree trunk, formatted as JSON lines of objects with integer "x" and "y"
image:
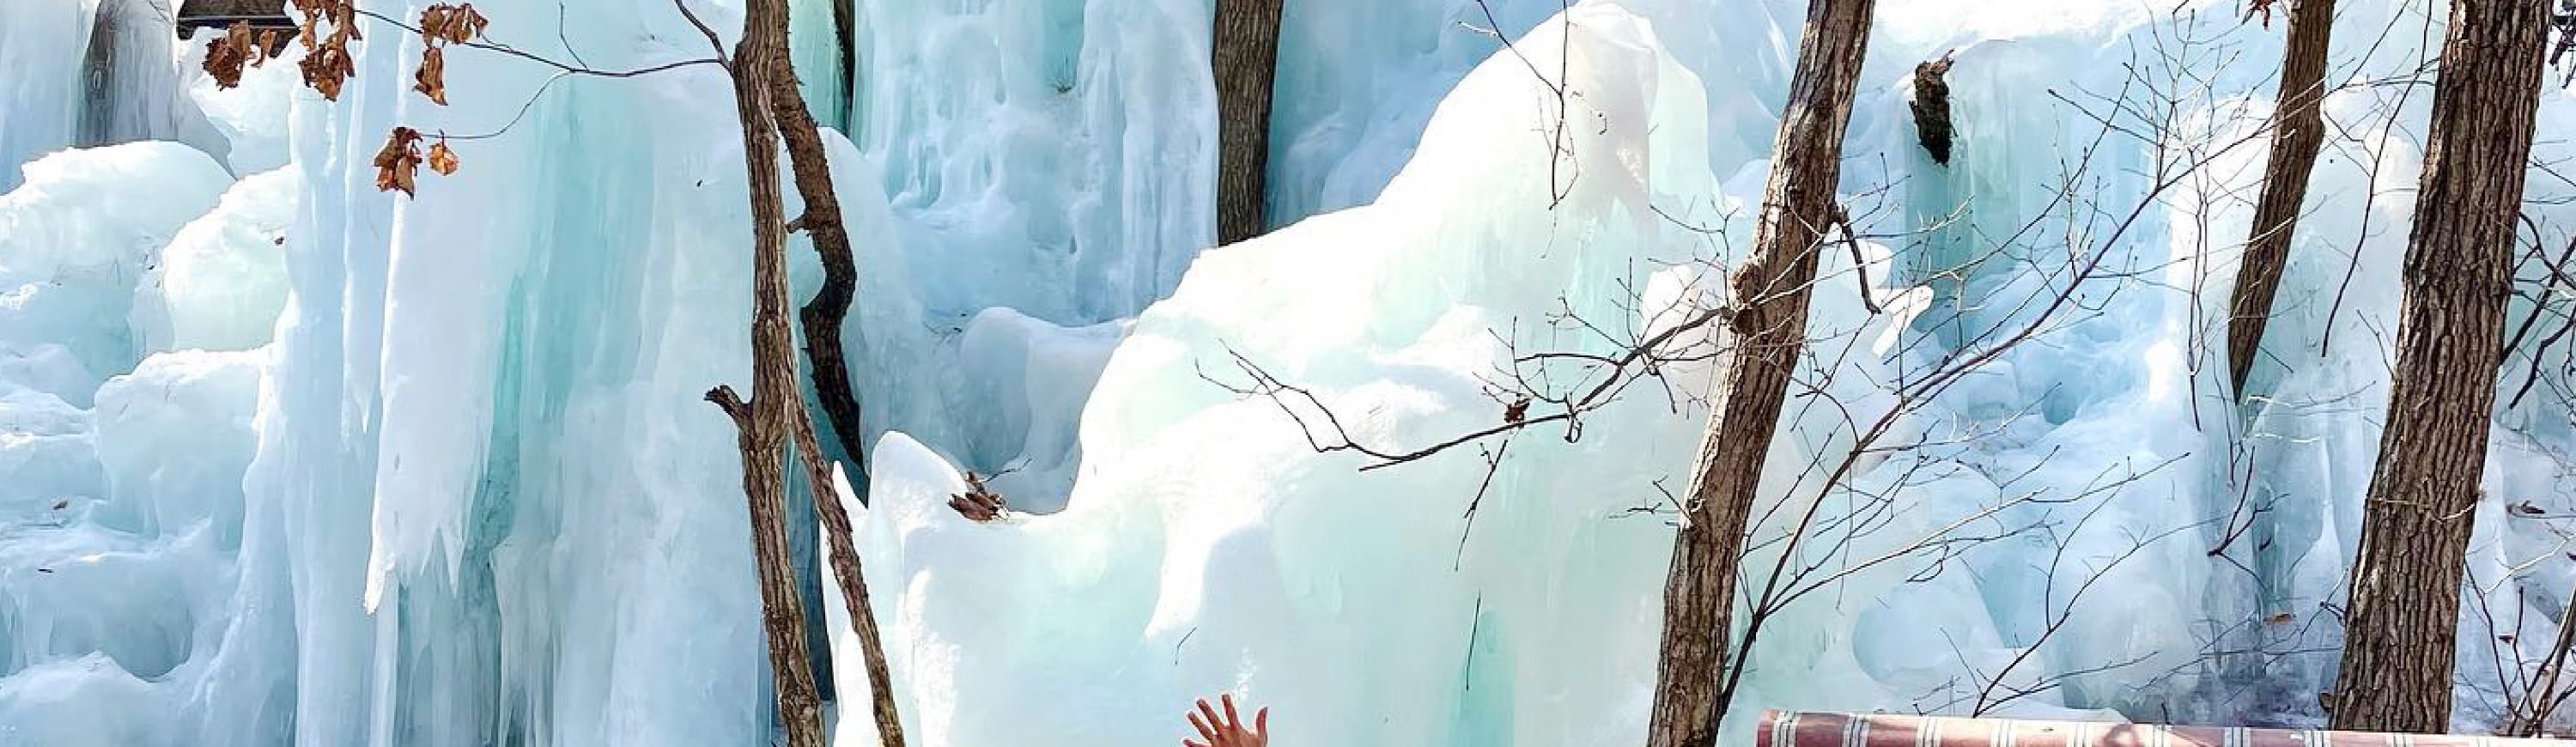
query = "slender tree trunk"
{"x": 763, "y": 425}
{"x": 2400, "y": 633}
{"x": 2297, "y": 133}
{"x": 1931, "y": 107}
{"x": 854, "y": 586}
{"x": 1769, "y": 328}
{"x": 822, "y": 318}
{"x": 1246, "y": 55}
{"x": 845, "y": 28}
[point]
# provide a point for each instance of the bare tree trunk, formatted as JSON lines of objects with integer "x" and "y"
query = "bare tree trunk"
{"x": 2297, "y": 133}
{"x": 854, "y": 587}
{"x": 1932, "y": 108}
{"x": 845, "y": 28}
{"x": 763, "y": 425}
{"x": 822, "y": 318}
{"x": 2399, "y": 636}
{"x": 1246, "y": 55}
{"x": 1770, "y": 327}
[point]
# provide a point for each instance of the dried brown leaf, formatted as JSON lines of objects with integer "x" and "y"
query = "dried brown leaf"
{"x": 432, "y": 78}
{"x": 225, "y": 55}
{"x": 432, "y": 19}
{"x": 451, "y": 24}
{"x": 979, "y": 503}
{"x": 326, "y": 69}
{"x": 475, "y": 19}
{"x": 441, "y": 159}
{"x": 398, "y": 164}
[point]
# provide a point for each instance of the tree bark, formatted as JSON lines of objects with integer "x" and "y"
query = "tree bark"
{"x": 1246, "y": 54}
{"x": 2399, "y": 635}
{"x": 1932, "y": 108}
{"x": 821, "y": 319}
{"x": 845, "y": 29}
{"x": 2297, "y": 133}
{"x": 854, "y": 586}
{"x": 1769, "y": 327}
{"x": 762, "y": 426}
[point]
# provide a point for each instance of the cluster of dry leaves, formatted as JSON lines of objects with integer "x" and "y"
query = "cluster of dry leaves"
{"x": 326, "y": 62}
{"x": 442, "y": 25}
{"x": 398, "y": 164}
{"x": 979, "y": 503}
{"x": 328, "y": 65}
{"x": 228, "y": 55}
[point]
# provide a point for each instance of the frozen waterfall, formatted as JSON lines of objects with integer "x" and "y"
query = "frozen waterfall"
{"x": 285, "y": 460}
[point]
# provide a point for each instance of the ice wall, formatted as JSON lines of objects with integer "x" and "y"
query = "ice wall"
{"x": 1205, "y": 546}
{"x": 2170, "y": 555}
{"x": 1051, "y": 174}
{"x": 92, "y": 72}
{"x": 125, "y": 506}
{"x": 1025, "y": 174}
{"x": 40, "y": 48}
{"x": 291, "y": 461}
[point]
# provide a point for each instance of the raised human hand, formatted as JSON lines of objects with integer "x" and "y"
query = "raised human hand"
{"x": 1228, "y": 731}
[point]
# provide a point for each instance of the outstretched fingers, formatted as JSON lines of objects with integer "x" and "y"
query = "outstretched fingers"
{"x": 1212, "y": 724}
{"x": 1206, "y": 726}
{"x": 1226, "y": 729}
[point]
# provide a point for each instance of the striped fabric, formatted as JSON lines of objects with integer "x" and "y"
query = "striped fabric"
{"x": 1793, "y": 729}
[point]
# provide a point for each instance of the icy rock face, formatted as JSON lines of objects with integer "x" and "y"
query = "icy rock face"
{"x": 1052, "y": 177}
{"x": 546, "y": 549}
{"x": 135, "y": 91}
{"x": 1029, "y": 180}
{"x": 173, "y": 437}
{"x": 76, "y": 237}
{"x": 92, "y": 72}
{"x": 1062, "y": 171}
{"x": 252, "y": 118}
{"x": 468, "y": 495}
{"x": 119, "y": 522}
{"x": 1357, "y": 80}
{"x": 221, "y": 282}
{"x": 1207, "y": 547}
{"x": 40, "y": 97}
{"x": 2171, "y": 556}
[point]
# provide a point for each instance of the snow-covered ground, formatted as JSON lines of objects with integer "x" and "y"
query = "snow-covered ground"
{"x": 285, "y": 460}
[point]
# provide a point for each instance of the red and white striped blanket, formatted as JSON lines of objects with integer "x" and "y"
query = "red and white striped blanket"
{"x": 1796, "y": 729}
